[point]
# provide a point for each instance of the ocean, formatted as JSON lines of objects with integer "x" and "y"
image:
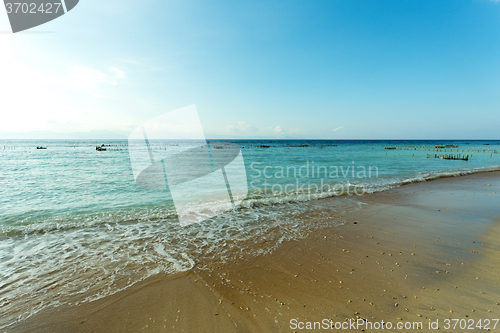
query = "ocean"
{"x": 75, "y": 227}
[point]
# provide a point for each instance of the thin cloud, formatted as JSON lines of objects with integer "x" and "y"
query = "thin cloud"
{"x": 336, "y": 129}
{"x": 116, "y": 75}
{"x": 248, "y": 130}
{"x": 85, "y": 77}
{"x": 242, "y": 127}
{"x": 278, "y": 130}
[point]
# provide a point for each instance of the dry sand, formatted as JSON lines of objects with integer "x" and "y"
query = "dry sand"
{"x": 422, "y": 251}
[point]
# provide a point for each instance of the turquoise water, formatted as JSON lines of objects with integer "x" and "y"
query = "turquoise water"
{"x": 74, "y": 224}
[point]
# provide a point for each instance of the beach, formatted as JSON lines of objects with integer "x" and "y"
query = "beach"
{"x": 249, "y": 166}
{"x": 210, "y": 166}
{"x": 421, "y": 252}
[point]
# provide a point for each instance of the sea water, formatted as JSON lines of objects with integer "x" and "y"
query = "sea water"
{"x": 74, "y": 225}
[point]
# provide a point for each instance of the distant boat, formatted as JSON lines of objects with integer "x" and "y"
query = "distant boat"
{"x": 41, "y": 147}
{"x": 100, "y": 148}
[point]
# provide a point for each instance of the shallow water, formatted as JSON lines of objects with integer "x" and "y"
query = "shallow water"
{"x": 74, "y": 222}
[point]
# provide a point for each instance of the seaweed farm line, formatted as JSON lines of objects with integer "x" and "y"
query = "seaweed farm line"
{"x": 464, "y": 157}
{"x": 442, "y": 149}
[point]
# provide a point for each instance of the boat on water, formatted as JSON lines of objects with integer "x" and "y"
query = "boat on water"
{"x": 41, "y": 147}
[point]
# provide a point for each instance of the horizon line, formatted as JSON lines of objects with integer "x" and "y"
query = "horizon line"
{"x": 282, "y": 139}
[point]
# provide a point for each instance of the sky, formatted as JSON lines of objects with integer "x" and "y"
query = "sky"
{"x": 260, "y": 69}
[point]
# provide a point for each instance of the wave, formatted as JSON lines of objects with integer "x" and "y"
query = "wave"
{"x": 93, "y": 255}
{"x": 52, "y": 264}
{"x": 253, "y": 201}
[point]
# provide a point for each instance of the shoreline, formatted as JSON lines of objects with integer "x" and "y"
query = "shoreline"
{"x": 334, "y": 273}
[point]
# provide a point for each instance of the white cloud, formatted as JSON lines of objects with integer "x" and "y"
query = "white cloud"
{"x": 83, "y": 77}
{"x": 243, "y": 129}
{"x": 295, "y": 131}
{"x": 336, "y": 129}
{"x": 29, "y": 97}
{"x": 86, "y": 77}
{"x": 33, "y": 97}
{"x": 117, "y": 74}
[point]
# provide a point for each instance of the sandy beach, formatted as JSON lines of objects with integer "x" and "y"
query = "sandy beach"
{"x": 249, "y": 166}
{"x": 418, "y": 253}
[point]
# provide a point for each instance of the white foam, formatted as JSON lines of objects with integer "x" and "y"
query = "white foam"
{"x": 90, "y": 256}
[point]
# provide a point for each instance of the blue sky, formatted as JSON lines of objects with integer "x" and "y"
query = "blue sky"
{"x": 260, "y": 69}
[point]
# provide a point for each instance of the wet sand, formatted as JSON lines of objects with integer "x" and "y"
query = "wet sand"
{"x": 422, "y": 251}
